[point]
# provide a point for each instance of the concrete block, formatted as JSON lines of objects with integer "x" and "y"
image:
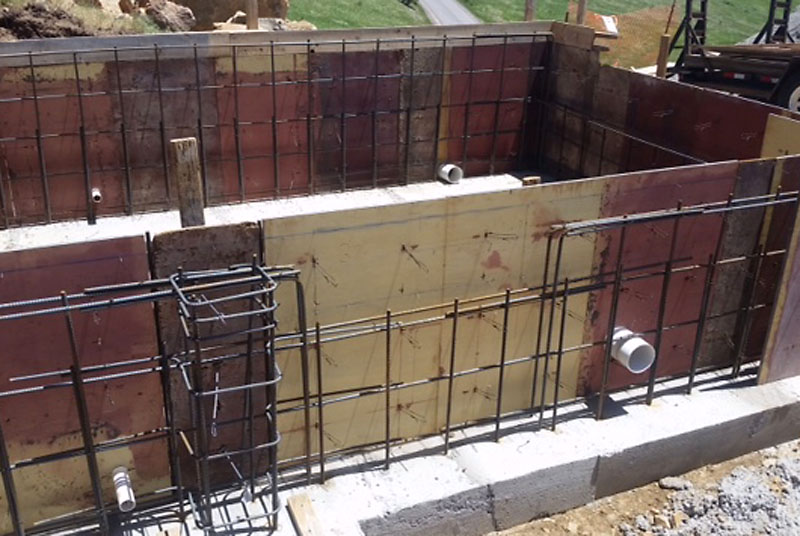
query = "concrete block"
{"x": 465, "y": 514}
{"x": 647, "y": 462}
{"x": 545, "y": 492}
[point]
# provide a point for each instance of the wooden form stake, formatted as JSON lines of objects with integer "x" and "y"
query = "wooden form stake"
{"x": 252, "y": 14}
{"x": 663, "y": 56}
{"x": 582, "y": 11}
{"x": 184, "y": 161}
{"x": 530, "y": 10}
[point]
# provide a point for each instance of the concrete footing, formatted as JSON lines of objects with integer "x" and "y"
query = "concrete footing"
{"x": 483, "y": 486}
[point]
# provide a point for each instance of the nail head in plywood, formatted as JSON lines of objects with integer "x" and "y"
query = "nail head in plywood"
{"x": 184, "y": 162}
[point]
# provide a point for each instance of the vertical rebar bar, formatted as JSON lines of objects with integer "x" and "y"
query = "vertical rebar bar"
{"x": 662, "y": 306}
{"x": 375, "y": 93}
{"x": 124, "y": 136}
{"x": 85, "y": 420}
{"x": 543, "y": 111}
{"x": 166, "y": 385}
{"x": 585, "y": 131}
{"x": 741, "y": 345}
{"x": 309, "y": 115}
{"x": 560, "y": 353}
{"x": 701, "y": 321}
{"x": 612, "y": 318}
{"x": 438, "y": 127}
{"x": 301, "y": 322}
{"x": 236, "y": 131}
{"x": 3, "y": 205}
{"x": 87, "y": 181}
{"x": 409, "y": 112}
{"x": 602, "y": 154}
{"x": 10, "y": 488}
{"x": 272, "y": 400}
{"x": 40, "y": 144}
{"x": 526, "y": 105}
{"x": 551, "y": 325}
{"x": 388, "y": 371}
{"x": 563, "y": 133}
{"x": 200, "y": 127}
{"x": 343, "y": 117}
{"x": 540, "y": 327}
{"x": 202, "y": 449}
{"x": 162, "y": 124}
{"x": 451, "y": 372}
{"x": 501, "y": 378}
{"x": 320, "y": 400}
{"x": 248, "y": 421}
{"x": 467, "y": 106}
{"x": 274, "y": 89}
{"x": 495, "y": 127}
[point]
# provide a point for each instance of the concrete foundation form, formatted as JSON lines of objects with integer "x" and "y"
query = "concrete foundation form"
{"x": 409, "y": 308}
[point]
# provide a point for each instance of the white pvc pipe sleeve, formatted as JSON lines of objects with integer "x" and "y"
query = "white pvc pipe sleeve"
{"x": 633, "y": 352}
{"x": 124, "y": 489}
{"x": 450, "y": 173}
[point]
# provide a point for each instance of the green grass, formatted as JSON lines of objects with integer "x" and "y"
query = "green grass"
{"x": 325, "y": 14}
{"x": 730, "y": 21}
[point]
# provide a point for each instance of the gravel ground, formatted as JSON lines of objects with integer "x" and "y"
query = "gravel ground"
{"x": 756, "y": 494}
{"x": 764, "y": 499}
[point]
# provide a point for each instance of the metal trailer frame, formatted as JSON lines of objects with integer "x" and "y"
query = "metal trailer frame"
{"x": 737, "y": 69}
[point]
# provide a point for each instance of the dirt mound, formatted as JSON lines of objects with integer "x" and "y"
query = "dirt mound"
{"x": 40, "y": 20}
{"x": 639, "y": 35}
{"x": 210, "y": 11}
{"x": 170, "y": 16}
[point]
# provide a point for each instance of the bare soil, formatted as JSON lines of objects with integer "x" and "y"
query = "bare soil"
{"x": 639, "y": 35}
{"x": 606, "y": 516}
{"x": 38, "y": 21}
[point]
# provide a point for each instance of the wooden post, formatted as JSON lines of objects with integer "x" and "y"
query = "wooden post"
{"x": 582, "y": 11}
{"x": 663, "y": 56}
{"x": 530, "y": 10}
{"x": 184, "y": 163}
{"x": 252, "y": 14}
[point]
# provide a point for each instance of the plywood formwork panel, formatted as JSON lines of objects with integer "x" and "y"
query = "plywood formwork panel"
{"x": 46, "y": 422}
{"x": 359, "y": 263}
{"x": 782, "y": 136}
{"x": 780, "y": 354}
{"x": 647, "y": 244}
{"x": 204, "y": 248}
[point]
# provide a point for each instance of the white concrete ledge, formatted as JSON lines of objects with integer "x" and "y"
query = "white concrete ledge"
{"x": 485, "y": 486}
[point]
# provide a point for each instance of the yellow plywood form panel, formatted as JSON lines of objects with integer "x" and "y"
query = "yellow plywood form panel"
{"x": 359, "y": 263}
{"x": 781, "y": 138}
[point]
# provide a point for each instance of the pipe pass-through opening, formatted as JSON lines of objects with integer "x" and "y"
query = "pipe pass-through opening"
{"x": 633, "y": 352}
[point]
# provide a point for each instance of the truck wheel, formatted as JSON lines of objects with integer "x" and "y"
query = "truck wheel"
{"x": 789, "y": 93}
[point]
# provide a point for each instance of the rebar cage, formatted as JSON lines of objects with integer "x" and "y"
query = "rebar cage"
{"x": 236, "y": 309}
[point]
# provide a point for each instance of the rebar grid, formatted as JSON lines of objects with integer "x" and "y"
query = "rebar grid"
{"x": 130, "y": 129}
{"x": 217, "y": 334}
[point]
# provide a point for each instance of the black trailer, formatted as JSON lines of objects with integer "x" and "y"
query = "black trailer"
{"x": 767, "y": 70}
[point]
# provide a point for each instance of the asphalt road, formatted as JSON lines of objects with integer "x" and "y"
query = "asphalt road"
{"x": 448, "y": 12}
